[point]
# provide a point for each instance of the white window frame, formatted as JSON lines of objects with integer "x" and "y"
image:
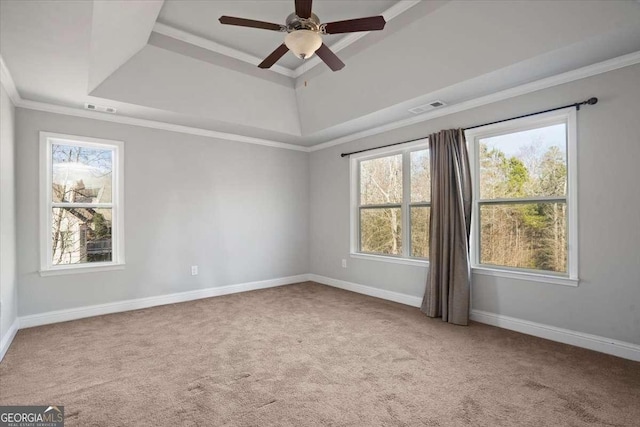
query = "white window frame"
{"x": 354, "y": 174}
{"x": 567, "y": 116}
{"x": 47, "y": 268}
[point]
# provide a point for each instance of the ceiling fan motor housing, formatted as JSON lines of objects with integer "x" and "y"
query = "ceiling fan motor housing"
{"x": 294, "y": 23}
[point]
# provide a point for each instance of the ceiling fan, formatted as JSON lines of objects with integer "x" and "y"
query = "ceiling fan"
{"x": 305, "y": 33}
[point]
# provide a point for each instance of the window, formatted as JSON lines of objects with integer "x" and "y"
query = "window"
{"x": 524, "y": 213}
{"x": 390, "y": 195}
{"x": 81, "y": 216}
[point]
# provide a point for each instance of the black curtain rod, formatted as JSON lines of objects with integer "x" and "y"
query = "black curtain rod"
{"x": 577, "y": 105}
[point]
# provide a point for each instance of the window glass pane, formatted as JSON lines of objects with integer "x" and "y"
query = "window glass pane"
{"x": 81, "y": 235}
{"x": 420, "y": 176}
{"x": 524, "y": 235}
{"x": 420, "y": 231}
{"x": 81, "y": 174}
{"x": 381, "y": 180}
{"x": 524, "y": 164}
{"x": 381, "y": 231}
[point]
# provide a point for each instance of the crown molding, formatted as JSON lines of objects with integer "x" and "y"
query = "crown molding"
{"x": 7, "y": 81}
{"x": 127, "y": 120}
{"x": 569, "y": 76}
{"x": 580, "y": 73}
{"x": 169, "y": 31}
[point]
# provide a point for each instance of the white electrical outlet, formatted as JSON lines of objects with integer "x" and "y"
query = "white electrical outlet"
{"x": 194, "y": 270}
{"x": 344, "y": 263}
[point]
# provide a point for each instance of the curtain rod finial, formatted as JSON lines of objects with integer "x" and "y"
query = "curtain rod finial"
{"x": 592, "y": 101}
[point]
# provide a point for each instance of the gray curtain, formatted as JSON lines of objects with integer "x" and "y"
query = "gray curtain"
{"x": 448, "y": 281}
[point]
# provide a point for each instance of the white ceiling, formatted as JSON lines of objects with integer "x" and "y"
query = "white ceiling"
{"x": 202, "y": 74}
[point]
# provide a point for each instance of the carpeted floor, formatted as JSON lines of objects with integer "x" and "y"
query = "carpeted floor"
{"x": 307, "y": 355}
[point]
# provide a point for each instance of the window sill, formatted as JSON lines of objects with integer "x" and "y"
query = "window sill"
{"x": 81, "y": 269}
{"x": 391, "y": 259}
{"x": 523, "y": 275}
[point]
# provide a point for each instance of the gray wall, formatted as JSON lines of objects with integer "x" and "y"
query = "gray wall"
{"x": 238, "y": 211}
{"x": 8, "y": 281}
{"x": 607, "y": 300}
{"x": 244, "y": 212}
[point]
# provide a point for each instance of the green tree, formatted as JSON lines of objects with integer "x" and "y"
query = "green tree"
{"x": 101, "y": 228}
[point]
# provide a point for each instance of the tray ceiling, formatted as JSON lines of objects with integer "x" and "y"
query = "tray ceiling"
{"x": 67, "y": 53}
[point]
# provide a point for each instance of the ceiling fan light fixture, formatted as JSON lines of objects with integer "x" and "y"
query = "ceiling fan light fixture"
{"x": 303, "y": 43}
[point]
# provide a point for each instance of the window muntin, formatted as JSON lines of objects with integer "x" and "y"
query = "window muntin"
{"x": 82, "y": 217}
{"x": 524, "y": 210}
{"x": 392, "y": 205}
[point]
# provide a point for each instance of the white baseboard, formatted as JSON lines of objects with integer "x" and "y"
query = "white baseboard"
{"x": 368, "y": 290}
{"x": 136, "y": 304}
{"x": 7, "y": 339}
{"x": 622, "y": 349}
{"x": 593, "y": 342}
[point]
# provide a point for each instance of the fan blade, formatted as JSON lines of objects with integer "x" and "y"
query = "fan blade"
{"x": 275, "y": 55}
{"x": 372, "y": 23}
{"x": 330, "y": 58}
{"x": 303, "y": 8}
{"x": 241, "y": 22}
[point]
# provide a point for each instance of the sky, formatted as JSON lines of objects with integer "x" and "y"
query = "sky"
{"x": 93, "y": 168}
{"x": 544, "y": 138}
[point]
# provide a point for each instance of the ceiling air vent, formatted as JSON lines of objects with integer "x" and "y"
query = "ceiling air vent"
{"x": 102, "y": 108}
{"x": 426, "y": 107}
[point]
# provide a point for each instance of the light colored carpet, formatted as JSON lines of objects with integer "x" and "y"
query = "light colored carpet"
{"x": 306, "y": 355}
